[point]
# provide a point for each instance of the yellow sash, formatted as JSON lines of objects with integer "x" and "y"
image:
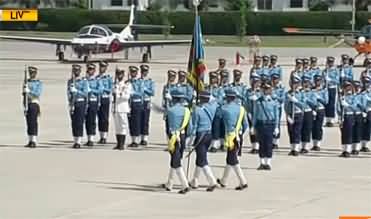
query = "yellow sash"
{"x": 231, "y": 136}
{"x": 176, "y": 135}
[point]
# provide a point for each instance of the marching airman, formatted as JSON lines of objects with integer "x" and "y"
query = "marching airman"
{"x": 358, "y": 118}
{"x": 366, "y": 125}
{"x": 332, "y": 80}
{"x": 274, "y": 68}
{"x": 166, "y": 95}
{"x": 278, "y": 94}
{"x": 136, "y": 106}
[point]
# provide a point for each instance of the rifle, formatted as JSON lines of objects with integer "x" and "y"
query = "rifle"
{"x": 25, "y": 95}
{"x": 73, "y": 95}
{"x": 114, "y": 93}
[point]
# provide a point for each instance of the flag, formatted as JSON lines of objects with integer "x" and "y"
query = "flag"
{"x": 196, "y": 66}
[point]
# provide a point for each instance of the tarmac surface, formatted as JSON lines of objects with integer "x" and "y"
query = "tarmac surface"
{"x": 55, "y": 181}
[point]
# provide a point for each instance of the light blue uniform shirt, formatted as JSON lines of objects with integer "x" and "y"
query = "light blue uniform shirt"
{"x": 346, "y": 72}
{"x": 266, "y": 110}
{"x": 148, "y": 88}
{"x": 278, "y": 94}
{"x": 95, "y": 88}
{"x": 275, "y": 70}
{"x": 203, "y": 116}
{"x": 310, "y": 100}
{"x": 332, "y": 77}
{"x": 240, "y": 90}
{"x": 298, "y": 106}
{"x": 230, "y": 114}
{"x": 175, "y": 116}
{"x": 107, "y": 84}
{"x": 366, "y": 100}
{"x": 137, "y": 91}
{"x": 322, "y": 98}
{"x": 187, "y": 90}
{"x": 82, "y": 87}
{"x": 167, "y": 89}
{"x": 351, "y": 108}
{"x": 35, "y": 86}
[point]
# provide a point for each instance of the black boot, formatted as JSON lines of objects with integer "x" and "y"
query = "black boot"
{"x": 28, "y": 145}
{"x": 122, "y": 142}
{"x": 118, "y": 139}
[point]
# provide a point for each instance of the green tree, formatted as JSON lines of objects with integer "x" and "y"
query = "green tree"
{"x": 242, "y": 23}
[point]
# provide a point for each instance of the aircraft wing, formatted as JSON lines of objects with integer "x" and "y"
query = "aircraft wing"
{"x": 319, "y": 31}
{"x": 130, "y": 44}
{"x": 38, "y": 39}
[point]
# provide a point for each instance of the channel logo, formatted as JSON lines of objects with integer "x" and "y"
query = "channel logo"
{"x": 19, "y": 15}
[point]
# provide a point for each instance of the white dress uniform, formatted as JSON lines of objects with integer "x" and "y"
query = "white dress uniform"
{"x": 123, "y": 91}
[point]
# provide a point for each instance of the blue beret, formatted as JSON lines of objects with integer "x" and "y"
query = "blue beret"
{"x": 275, "y": 75}
{"x": 205, "y": 94}
{"x": 299, "y": 61}
{"x": 274, "y": 57}
{"x": 144, "y": 67}
{"x": 230, "y": 93}
{"x": 32, "y": 69}
{"x": 76, "y": 67}
{"x": 317, "y": 77}
{"x": 330, "y": 59}
{"x": 313, "y": 59}
{"x": 176, "y": 93}
{"x": 103, "y": 64}
{"x": 90, "y": 66}
{"x": 133, "y": 68}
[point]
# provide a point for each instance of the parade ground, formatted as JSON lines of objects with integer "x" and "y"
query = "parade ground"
{"x": 55, "y": 181}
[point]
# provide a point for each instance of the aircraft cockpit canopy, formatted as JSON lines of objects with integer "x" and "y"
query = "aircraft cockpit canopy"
{"x": 94, "y": 31}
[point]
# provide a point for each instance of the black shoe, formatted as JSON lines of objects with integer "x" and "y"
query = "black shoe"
{"x": 241, "y": 187}
{"x": 275, "y": 146}
{"x": 365, "y": 149}
{"x": 89, "y": 144}
{"x": 76, "y": 146}
{"x": 192, "y": 186}
{"x": 213, "y": 150}
{"x": 254, "y": 151}
{"x": 144, "y": 143}
{"x": 33, "y": 144}
{"x": 315, "y": 148}
{"x": 102, "y": 141}
{"x": 355, "y": 152}
{"x": 291, "y": 153}
{"x": 220, "y": 183}
{"x": 211, "y": 188}
{"x": 296, "y": 153}
{"x": 345, "y": 154}
{"x": 304, "y": 151}
{"x": 164, "y": 186}
{"x": 261, "y": 167}
{"x": 28, "y": 145}
{"x": 222, "y": 148}
{"x": 267, "y": 167}
{"x": 184, "y": 191}
{"x": 133, "y": 145}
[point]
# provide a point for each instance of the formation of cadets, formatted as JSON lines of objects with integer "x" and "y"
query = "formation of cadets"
{"x": 218, "y": 117}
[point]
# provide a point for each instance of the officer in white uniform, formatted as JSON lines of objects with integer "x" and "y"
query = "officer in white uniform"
{"x": 121, "y": 108}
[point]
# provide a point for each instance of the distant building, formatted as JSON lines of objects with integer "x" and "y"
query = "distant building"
{"x": 280, "y": 5}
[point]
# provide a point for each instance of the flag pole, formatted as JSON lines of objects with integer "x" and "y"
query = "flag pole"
{"x": 196, "y": 3}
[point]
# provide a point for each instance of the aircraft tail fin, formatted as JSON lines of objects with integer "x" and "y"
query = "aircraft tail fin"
{"x": 127, "y": 31}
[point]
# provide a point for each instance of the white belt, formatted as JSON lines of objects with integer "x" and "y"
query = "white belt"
{"x": 308, "y": 110}
{"x": 358, "y": 113}
{"x": 348, "y": 113}
{"x": 368, "y": 109}
{"x": 93, "y": 98}
{"x": 80, "y": 99}
{"x": 320, "y": 108}
{"x": 332, "y": 86}
{"x": 136, "y": 101}
{"x": 105, "y": 95}
{"x": 147, "y": 99}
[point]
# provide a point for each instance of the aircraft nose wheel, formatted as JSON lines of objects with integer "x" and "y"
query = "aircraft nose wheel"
{"x": 61, "y": 56}
{"x": 145, "y": 58}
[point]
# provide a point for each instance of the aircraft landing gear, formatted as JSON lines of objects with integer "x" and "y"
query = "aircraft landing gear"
{"x": 60, "y": 53}
{"x": 86, "y": 59}
{"x": 147, "y": 55}
{"x": 145, "y": 58}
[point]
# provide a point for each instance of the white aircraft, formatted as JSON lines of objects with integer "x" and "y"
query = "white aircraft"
{"x": 96, "y": 39}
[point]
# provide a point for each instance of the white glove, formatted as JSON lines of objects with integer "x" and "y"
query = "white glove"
{"x": 249, "y": 115}
{"x": 254, "y": 97}
{"x": 364, "y": 115}
{"x": 73, "y": 90}
{"x": 168, "y": 96}
{"x": 314, "y": 113}
{"x": 293, "y": 99}
{"x": 252, "y": 131}
{"x": 344, "y": 103}
{"x": 290, "y": 120}
{"x": 26, "y": 90}
{"x": 212, "y": 98}
{"x": 276, "y": 131}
